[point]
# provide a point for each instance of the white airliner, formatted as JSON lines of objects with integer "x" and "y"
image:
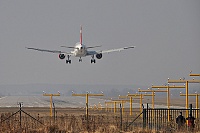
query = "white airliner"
{"x": 81, "y": 50}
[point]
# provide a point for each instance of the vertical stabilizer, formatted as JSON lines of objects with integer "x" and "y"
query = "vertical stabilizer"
{"x": 81, "y": 35}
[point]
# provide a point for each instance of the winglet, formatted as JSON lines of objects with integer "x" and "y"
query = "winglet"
{"x": 81, "y": 35}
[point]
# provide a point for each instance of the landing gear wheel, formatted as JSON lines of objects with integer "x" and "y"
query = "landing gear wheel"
{"x": 80, "y": 60}
{"x": 68, "y": 61}
{"x": 93, "y": 61}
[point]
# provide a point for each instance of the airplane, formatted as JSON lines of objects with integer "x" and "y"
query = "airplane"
{"x": 80, "y": 50}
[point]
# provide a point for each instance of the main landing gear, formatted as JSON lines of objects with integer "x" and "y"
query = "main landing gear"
{"x": 68, "y": 60}
{"x": 93, "y": 60}
{"x": 80, "y": 60}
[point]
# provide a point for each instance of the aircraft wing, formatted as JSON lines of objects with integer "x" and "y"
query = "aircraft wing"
{"x": 92, "y": 52}
{"x": 50, "y": 51}
{"x": 116, "y": 50}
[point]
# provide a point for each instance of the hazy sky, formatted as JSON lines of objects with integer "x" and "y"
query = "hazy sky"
{"x": 166, "y": 34}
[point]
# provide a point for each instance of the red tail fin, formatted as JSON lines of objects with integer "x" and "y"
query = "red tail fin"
{"x": 81, "y": 36}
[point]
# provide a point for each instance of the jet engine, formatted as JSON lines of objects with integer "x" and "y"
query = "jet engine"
{"x": 99, "y": 56}
{"x": 62, "y": 56}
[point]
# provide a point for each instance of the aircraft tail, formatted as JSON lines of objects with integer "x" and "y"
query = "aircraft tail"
{"x": 81, "y": 35}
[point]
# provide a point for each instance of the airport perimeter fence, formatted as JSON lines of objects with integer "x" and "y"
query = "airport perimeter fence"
{"x": 70, "y": 121}
{"x": 165, "y": 119}
{"x": 151, "y": 120}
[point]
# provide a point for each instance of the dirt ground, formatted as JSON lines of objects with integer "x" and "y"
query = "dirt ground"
{"x": 45, "y": 111}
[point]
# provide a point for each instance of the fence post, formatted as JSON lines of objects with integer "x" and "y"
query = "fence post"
{"x": 190, "y": 109}
{"x": 144, "y": 118}
{"x": 87, "y": 116}
{"x": 54, "y": 114}
{"x": 120, "y": 116}
{"x": 20, "y": 114}
{"x": 147, "y": 116}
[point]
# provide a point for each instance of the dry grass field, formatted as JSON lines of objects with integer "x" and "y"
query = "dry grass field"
{"x": 67, "y": 120}
{"x": 70, "y": 120}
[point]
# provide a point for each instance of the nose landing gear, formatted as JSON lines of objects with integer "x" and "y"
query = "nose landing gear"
{"x": 68, "y": 60}
{"x": 80, "y": 60}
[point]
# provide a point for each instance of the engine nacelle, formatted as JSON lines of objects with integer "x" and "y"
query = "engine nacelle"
{"x": 62, "y": 56}
{"x": 99, "y": 56}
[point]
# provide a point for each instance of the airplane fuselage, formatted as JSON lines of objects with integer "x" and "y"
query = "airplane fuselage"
{"x": 80, "y": 50}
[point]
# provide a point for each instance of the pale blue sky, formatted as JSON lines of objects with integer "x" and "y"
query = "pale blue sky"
{"x": 166, "y": 35}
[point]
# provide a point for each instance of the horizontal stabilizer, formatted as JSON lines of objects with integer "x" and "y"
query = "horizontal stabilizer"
{"x": 66, "y": 46}
{"x": 93, "y": 46}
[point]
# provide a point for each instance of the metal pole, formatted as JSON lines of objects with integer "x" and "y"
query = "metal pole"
{"x": 51, "y": 105}
{"x": 87, "y": 104}
{"x": 147, "y": 114}
{"x": 131, "y": 101}
{"x": 186, "y": 87}
{"x": 153, "y": 98}
{"x": 87, "y": 111}
{"x": 87, "y": 116}
{"x": 120, "y": 105}
{"x": 194, "y": 74}
{"x": 140, "y": 103}
{"x": 197, "y": 99}
{"x": 168, "y": 97}
{"x": 122, "y": 108}
{"x": 168, "y": 103}
{"x": 190, "y": 110}
{"x": 20, "y": 114}
{"x": 144, "y": 118}
{"x": 54, "y": 113}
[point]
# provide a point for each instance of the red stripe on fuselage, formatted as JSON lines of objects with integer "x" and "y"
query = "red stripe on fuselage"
{"x": 81, "y": 36}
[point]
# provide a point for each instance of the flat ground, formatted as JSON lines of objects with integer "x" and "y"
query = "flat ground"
{"x": 45, "y": 111}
